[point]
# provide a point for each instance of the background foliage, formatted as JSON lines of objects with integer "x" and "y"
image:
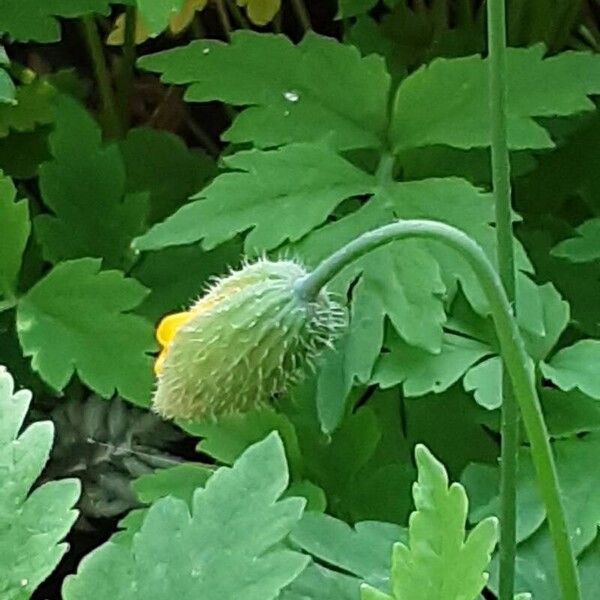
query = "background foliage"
{"x": 139, "y": 161}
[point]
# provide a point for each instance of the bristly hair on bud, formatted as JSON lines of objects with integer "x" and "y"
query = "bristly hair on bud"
{"x": 251, "y": 336}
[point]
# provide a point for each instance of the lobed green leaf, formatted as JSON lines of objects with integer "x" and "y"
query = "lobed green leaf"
{"x": 77, "y": 319}
{"x": 84, "y": 186}
{"x": 227, "y": 546}
{"x": 536, "y": 87}
{"x": 31, "y": 20}
{"x": 439, "y": 562}
{"x": 297, "y": 93}
{"x": 32, "y": 524}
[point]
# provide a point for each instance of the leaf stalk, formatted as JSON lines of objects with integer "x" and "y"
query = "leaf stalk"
{"x": 224, "y": 18}
{"x": 127, "y": 65}
{"x": 302, "y": 14}
{"x": 109, "y": 112}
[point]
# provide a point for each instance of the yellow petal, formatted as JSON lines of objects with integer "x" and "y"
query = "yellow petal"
{"x": 170, "y": 325}
{"x": 185, "y": 16}
{"x": 117, "y": 36}
{"x": 261, "y": 12}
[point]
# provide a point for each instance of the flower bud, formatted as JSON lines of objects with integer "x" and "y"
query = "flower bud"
{"x": 249, "y": 337}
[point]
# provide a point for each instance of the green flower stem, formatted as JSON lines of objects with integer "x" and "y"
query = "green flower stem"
{"x": 496, "y": 18}
{"x": 500, "y": 156}
{"x": 94, "y": 44}
{"x": 127, "y": 66}
{"x": 516, "y": 361}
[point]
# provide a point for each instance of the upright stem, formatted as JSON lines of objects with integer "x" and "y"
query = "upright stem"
{"x": 496, "y": 19}
{"x": 224, "y": 18}
{"x": 516, "y": 361}
{"x": 238, "y": 15}
{"x": 518, "y": 19}
{"x": 500, "y": 155}
{"x": 302, "y": 14}
{"x": 465, "y": 11}
{"x": 127, "y": 65}
{"x": 197, "y": 28}
{"x": 277, "y": 21}
{"x": 107, "y": 97}
{"x": 201, "y": 135}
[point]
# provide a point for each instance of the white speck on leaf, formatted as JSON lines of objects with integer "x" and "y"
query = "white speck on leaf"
{"x": 291, "y": 96}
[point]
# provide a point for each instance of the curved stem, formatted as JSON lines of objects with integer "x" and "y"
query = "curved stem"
{"x": 516, "y": 361}
{"x": 496, "y": 19}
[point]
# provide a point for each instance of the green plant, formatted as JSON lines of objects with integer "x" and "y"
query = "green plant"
{"x": 149, "y": 145}
{"x": 515, "y": 358}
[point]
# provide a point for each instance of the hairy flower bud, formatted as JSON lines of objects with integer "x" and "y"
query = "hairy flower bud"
{"x": 249, "y": 337}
